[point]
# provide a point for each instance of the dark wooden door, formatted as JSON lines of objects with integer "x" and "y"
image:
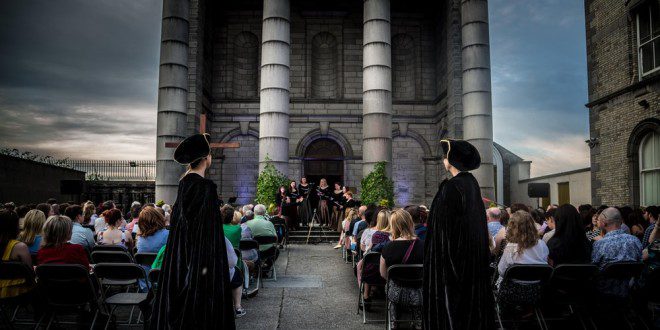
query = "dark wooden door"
{"x": 324, "y": 159}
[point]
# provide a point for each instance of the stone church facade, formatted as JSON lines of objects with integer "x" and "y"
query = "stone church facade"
{"x": 623, "y": 61}
{"x": 326, "y": 89}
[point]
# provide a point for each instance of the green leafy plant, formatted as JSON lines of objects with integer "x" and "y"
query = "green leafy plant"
{"x": 270, "y": 179}
{"x": 377, "y": 188}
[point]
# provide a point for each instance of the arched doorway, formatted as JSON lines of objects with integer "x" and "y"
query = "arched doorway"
{"x": 324, "y": 158}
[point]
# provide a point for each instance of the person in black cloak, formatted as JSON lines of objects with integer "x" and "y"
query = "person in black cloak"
{"x": 194, "y": 289}
{"x": 457, "y": 289}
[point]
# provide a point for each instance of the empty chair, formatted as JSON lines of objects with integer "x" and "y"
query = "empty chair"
{"x": 572, "y": 285}
{"x": 370, "y": 264}
{"x": 522, "y": 285}
{"x": 408, "y": 276}
{"x": 108, "y": 247}
{"x": 145, "y": 258}
{"x": 128, "y": 272}
{"x": 17, "y": 295}
{"x": 68, "y": 288}
{"x": 111, "y": 256}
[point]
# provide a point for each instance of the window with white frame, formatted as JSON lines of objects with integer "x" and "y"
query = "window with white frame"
{"x": 649, "y": 169}
{"x": 648, "y": 38}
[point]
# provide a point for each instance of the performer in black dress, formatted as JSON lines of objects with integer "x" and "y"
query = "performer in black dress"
{"x": 305, "y": 210}
{"x": 324, "y": 194}
{"x": 337, "y": 202}
{"x": 457, "y": 289}
{"x": 280, "y": 199}
{"x": 194, "y": 285}
{"x": 290, "y": 208}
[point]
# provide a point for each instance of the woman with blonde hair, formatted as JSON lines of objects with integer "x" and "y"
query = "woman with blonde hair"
{"x": 350, "y": 215}
{"x": 382, "y": 234}
{"x": 404, "y": 248}
{"x": 56, "y": 248}
{"x": 381, "y": 223}
{"x": 523, "y": 244}
{"x": 32, "y": 230}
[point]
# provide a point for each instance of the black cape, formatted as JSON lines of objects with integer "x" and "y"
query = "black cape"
{"x": 457, "y": 287}
{"x": 194, "y": 290}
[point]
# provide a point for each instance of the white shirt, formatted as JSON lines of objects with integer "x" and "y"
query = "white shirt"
{"x": 547, "y": 236}
{"x": 536, "y": 255}
{"x": 366, "y": 237}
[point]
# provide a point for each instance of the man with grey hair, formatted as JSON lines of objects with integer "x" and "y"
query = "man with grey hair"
{"x": 245, "y": 210}
{"x": 615, "y": 246}
{"x": 493, "y": 216}
{"x": 260, "y": 226}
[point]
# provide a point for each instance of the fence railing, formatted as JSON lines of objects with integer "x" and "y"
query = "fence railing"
{"x": 115, "y": 170}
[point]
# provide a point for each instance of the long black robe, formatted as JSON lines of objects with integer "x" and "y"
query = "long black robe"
{"x": 457, "y": 290}
{"x": 194, "y": 290}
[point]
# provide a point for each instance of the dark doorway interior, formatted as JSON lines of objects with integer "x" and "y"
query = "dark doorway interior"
{"x": 324, "y": 159}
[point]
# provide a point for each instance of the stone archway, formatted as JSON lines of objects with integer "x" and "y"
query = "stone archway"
{"x": 323, "y": 158}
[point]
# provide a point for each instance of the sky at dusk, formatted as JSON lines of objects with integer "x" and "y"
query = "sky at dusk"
{"x": 78, "y": 79}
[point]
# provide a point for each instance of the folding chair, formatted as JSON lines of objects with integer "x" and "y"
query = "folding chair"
{"x": 154, "y": 278}
{"x": 16, "y": 270}
{"x": 123, "y": 272}
{"x": 269, "y": 255}
{"x": 373, "y": 259}
{"x": 652, "y": 288}
{"x": 145, "y": 258}
{"x": 111, "y": 256}
{"x": 572, "y": 285}
{"x": 407, "y": 275}
{"x": 282, "y": 235}
{"x": 531, "y": 277}
{"x": 66, "y": 287}
{"x": 625, "y": 272}
{"x": 250, "y": 244}
{"x": 109, "y": 247}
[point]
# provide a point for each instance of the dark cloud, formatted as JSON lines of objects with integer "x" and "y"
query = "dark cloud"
{"x": 80, "y": 75}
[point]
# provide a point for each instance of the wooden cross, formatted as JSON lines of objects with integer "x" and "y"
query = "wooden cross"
{"x": 202, "y": 130}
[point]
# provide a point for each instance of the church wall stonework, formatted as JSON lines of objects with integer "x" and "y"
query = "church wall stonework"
{"x": 326, "y": 91}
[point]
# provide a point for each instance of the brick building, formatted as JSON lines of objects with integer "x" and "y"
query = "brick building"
{"x": 327, "y": 89}
{"x": 623, "y": 60}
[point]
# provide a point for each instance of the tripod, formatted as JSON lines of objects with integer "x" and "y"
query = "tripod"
{"x": 315, "y": 219}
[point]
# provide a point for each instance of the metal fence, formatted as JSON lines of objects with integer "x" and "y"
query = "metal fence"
{"x": 115, "y": 170}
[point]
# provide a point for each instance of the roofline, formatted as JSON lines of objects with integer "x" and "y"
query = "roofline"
{"x": 586, "y": 169}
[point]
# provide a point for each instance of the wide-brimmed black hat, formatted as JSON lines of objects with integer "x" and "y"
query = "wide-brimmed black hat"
{"x": 461, "y": 154}
{"x": 192, "y": 148}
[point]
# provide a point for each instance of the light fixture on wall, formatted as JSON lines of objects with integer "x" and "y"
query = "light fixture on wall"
{"x": 592, "y": 142}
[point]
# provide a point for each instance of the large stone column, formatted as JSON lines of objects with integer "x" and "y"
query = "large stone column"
{"x": 274, "y": 103}
{"x": 477, "y": 104}
{"x": 376, "y": 86}
{"x": 172, "y": 96}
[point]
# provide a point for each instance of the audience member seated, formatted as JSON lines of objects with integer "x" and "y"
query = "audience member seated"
{"x": 404, "y": 248}
{"x": 12, "y": 250}
{"x": 134, "y": 215}
{"x": 637, "y": 224}
{"x": 594, "y": 233}
{"x": 153, "y": 234}
{"x": 365, "y": 239}
{"x": 419, "y": 219}
{"x": 21, "y": 212}
{"x": 551, "y": 224}
{"x": 32, "y": 231}
{"x": 112, "y": 235}
{"x": 651, "y": 214}
{"x": 523, "y": 244}
{"x": 360, "y": 217}
{"x": 568, "y": 245}
{"x": 56, "y": 248}
{"x": 232, "y": 232}
{"x": 99, "y": 222}
{"x": 493, "y": 216}
{"x": 79, "y": 234}
{"x": 236, "y": 282}
{"x": 260, "y": 226}
{"x": 349, "y": 215}
{"x": 247, "y": 213}
{"x": 158, "y": 261}
{"x": 89, "y": 213}
{"x": 45, "y": 208}
{"x": 615, "y": 246}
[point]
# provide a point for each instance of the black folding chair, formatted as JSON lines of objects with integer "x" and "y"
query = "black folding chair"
{"x": 68, "y": 287}
{"x": 145, "y": 258}
{"x": 111, "y": 256}
{"x": 572, "y": 285}
{"x": 372, "y": 259}
{"x": 267, "y": 257}
{"x": 652, "y": 290}
{"x": 109, "y": 247}
{"x": 154, "y": 278}
{"x": 625, "y": 273}
{"x": 531, "y": 279}
{"x": 128, "y": 272}
{"x": 13, "y": 271}
{"x": 250, "y": 244}
{"x": 406, "y": 275}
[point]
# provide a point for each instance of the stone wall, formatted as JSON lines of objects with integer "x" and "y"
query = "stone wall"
{"x": 618, "y": 116}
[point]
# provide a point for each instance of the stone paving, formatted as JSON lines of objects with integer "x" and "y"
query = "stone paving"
{"x": 315, "y": 289}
